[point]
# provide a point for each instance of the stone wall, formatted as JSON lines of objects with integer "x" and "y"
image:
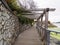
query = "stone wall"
{"x": 9, "y": 26}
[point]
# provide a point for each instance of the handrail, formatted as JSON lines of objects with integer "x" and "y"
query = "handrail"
{"x": 50, "y": 30}
{"x": 6, "y": 6}
{"x": 53, "y": 31}
{"x": 40, "y": 28}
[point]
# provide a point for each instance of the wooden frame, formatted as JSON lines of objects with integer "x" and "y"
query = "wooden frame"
{"x": 44, "y": 34}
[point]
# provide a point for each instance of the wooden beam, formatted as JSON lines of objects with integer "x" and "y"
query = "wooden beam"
{"x": 42, "y": 9}
{"x": 30, "y": 13}
{"x": 31, "y": 16}
{"x": 41, "y": 15}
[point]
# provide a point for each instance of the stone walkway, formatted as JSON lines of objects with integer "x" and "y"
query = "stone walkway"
{"x": 28, "y": 37}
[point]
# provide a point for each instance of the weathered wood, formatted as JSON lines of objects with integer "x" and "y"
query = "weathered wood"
{"x": 44, "y": 31}
{"x": 41, "y": 28}
{"x": 40, "y": 16}
{"x": 46, "y": 18}
{"x": 42, "y": 9}
{"x": 48, "y": 37}
{"x": 30, "y": 16}
{"x": 56, "y": 31}
{"x": 28, "y": 37}
{"x": 30, "y": 13}
{"x": 46, "y": 26}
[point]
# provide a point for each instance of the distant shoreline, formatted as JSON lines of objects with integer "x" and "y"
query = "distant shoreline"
{"x": 57, "y": 24}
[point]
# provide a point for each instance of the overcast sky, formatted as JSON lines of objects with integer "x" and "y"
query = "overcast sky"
{"x": 53, "y": 16}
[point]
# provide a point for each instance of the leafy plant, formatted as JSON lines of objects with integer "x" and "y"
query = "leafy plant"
{"x": 24, "y": 20}
{"x": 14, "y": 7}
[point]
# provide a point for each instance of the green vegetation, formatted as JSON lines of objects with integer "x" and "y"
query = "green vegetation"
{"x": 24, "y": 20}
{"x": 55, "y": 35}
{"x": 50, "y": 25}
{"x": 18, "y": 11}
{"x": 13, "y": 5}
{"x": 53, "y": 27}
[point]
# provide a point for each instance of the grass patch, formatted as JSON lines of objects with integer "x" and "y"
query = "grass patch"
{"x": 57, "y": 36}
{"x": 53, "y": 34}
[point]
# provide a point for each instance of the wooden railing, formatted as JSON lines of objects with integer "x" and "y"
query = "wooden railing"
{"x": 42, "y": 34}
{"x": 42, "y": 27}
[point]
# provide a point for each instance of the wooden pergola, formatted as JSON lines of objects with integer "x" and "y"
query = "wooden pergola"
{"x": 44, "y": 37}
{"x": 42, "y": 12}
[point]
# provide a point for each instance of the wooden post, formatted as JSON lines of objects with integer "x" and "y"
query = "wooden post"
{"x": 46, "y": 25}
{"x": 42, "y": 32}
{"x": 48, "y": 37}
{"x": 41, "y": 26}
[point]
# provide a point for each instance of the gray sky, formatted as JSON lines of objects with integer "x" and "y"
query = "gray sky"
{"x": 53, "y": 16}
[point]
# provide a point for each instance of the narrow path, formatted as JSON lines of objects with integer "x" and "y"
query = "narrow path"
{"x": 28, "y": 37}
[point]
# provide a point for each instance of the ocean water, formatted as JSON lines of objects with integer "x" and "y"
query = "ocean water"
{"x": 57, "y": 24}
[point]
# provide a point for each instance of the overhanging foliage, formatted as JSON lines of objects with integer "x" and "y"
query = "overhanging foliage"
{"x": 15, "y": 8}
